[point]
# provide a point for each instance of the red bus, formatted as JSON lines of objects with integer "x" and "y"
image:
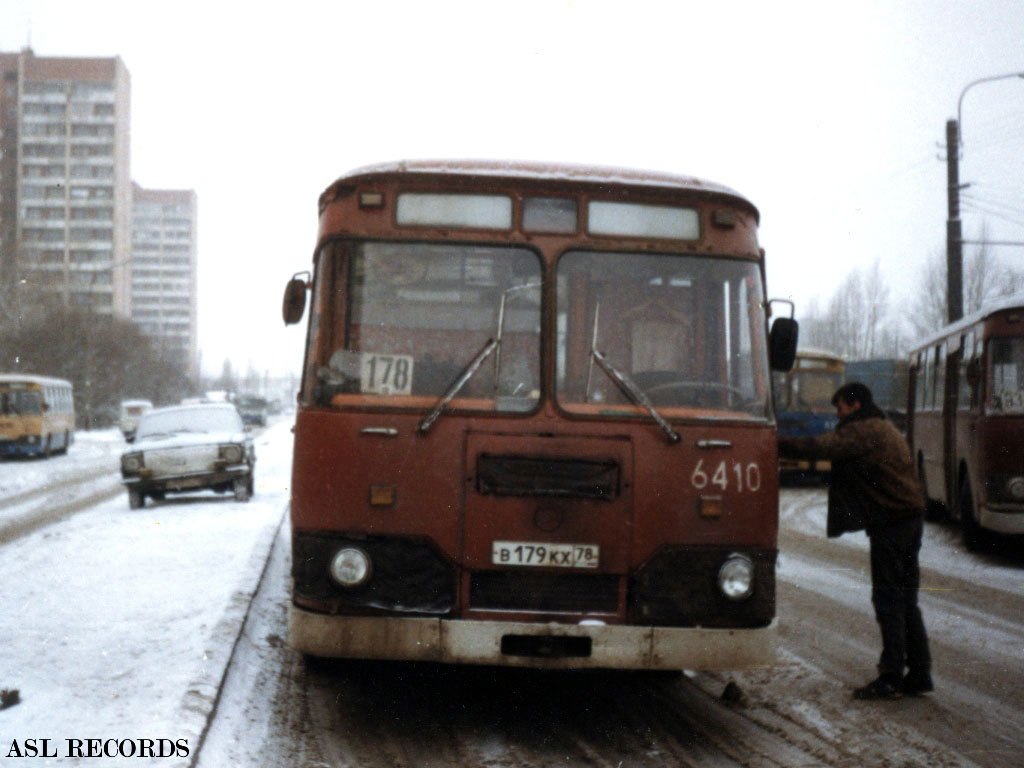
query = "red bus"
{"x": 535, "y": 423}
{"x": 966, "y": 419}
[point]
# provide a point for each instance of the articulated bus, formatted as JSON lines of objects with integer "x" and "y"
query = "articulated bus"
{"x": 803, "y": 404}
{"x": 966, "y": 419}
{"x": 37, "y": 415}
{"x": 535, "y": 426}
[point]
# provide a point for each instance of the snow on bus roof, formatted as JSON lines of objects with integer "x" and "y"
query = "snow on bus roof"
{"x": 557, "y": 172}
{"x": 817, "y": 352}
{"x": 998, "y": 305}
{"x": 28, "y": 378}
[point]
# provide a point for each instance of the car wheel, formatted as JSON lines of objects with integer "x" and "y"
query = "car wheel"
{"x": 241, "y": 488}
{"x": 135, "y": 500}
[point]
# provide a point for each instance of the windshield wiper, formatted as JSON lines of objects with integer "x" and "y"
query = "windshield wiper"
{"x": 624, "y": 382}
{"x": 634, "y": 393}
{"x": 459, "y": 383}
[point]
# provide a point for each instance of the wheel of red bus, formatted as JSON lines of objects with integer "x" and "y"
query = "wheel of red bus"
{"x": 135, "y": 499}
{"x": 972, "y": 532}
{"x": 242, "y": 487}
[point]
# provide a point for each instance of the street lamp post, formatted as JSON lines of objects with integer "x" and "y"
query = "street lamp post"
{"x": 954, "y": 231}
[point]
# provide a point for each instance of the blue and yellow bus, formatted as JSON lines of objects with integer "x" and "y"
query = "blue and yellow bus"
{"x": 37, "y": 415}
{"x": 803, "y": 403}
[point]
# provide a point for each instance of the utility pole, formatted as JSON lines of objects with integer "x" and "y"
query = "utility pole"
{"x": 954, "y": 231}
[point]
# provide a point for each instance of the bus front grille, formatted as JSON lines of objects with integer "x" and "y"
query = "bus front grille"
{"x": 544, "y": 592}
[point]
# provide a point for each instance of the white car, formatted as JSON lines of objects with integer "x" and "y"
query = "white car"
{"x": 186, "y": 448}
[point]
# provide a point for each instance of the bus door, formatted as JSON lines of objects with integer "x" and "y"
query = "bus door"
{"x": 548, "y": 521}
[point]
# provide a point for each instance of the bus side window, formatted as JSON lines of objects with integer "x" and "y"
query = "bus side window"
{"x": 966, "y": 395}
{"x": 929, "y": 380}
{"x": 940, "y": 376}
{"x": 920, "y": 380}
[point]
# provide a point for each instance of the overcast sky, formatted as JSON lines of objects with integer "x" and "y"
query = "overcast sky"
{"x": 829, "y": 116}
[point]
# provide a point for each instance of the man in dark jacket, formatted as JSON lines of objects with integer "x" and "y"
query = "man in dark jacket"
{"x": 874, "y": 488}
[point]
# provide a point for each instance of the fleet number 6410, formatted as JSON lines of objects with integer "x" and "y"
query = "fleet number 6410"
{"x": 747, "y": 478}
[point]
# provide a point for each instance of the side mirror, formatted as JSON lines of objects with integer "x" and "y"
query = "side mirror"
{"x": 782, "y": 343}
{"x": 294, "y": 299}
{"x": 782, "y": 339}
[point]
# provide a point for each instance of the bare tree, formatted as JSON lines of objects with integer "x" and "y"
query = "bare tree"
{"x": 107, "y": 359}
{"x": 855, "y": 320}
{"x": 226, "y": 381}
{"x": 985, "y": 279}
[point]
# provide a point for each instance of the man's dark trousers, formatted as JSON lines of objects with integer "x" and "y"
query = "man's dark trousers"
{"x": 895, "y": 578}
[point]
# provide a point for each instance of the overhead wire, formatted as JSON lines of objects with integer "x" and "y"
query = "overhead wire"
{"x": 969, "y": 206}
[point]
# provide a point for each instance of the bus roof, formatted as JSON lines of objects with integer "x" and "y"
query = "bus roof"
{"x": 562, "y": 173}
{"x": 998, "y": 305}
{"x": 815, "y": 352}
{"x": 27, "y": 378}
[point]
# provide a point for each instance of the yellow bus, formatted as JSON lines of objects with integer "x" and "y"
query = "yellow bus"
{"x": 37, "y": 415}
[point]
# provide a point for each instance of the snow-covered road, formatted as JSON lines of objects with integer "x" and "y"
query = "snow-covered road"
{"x": 118, "y": 624}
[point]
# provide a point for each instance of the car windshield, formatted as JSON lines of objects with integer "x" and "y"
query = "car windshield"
{"x": 178, "y": 420}
{"x": 401, "y": 324}
{"x": 685, "y": 332}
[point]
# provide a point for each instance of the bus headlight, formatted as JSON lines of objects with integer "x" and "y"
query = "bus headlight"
{"x": 736, "y": 577}
{"x": 350, "y": 567}
{"x": 1004, "y": 489}
{"x": 231, "y": 453}
{"x": 131, "y": 463}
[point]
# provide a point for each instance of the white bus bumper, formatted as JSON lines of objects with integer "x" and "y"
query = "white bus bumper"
{"x": 452, "y": 641}
{"x": 1001, "y": 522}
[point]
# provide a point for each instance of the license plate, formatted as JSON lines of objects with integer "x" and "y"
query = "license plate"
{"x": 533, "y": 553}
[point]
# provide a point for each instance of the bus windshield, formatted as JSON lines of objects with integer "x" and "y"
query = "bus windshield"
{"x": 1008, "y": 375}
{"x": 813, "y": 390}
{"x": 20, "y": 403}
{"x": 687, "y": 331}
{"x": 415, "y": 320}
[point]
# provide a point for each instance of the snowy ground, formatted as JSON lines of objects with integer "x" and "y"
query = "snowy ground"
{"x": 91, "y": 452}
{"x": 118, "y": 624}
{"x": 942, "y": 549}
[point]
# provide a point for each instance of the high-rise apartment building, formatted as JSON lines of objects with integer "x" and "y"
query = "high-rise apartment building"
{"x": 65, "y": 183}
{"x": 163, "y": 274}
